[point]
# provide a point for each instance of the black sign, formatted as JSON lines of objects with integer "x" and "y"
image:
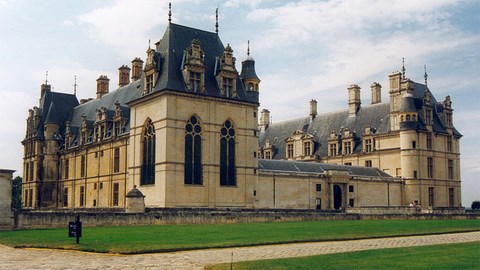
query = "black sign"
{"x": 75, "y": 229}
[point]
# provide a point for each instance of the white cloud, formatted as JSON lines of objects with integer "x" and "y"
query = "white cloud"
{"x": 238, "y": 3}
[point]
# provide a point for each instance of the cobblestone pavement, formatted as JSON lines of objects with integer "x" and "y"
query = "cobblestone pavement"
{"x": 11, "y": 258}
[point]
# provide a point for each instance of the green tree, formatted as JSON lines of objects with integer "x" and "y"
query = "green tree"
{"x": 476, "y": 205}
{"x": 17, "y": 193}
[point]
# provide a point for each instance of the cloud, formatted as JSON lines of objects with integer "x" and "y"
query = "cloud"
{"x": 238, "y": 3}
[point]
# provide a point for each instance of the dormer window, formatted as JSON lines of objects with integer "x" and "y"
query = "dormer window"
{"x": 226, "y": 74}
{"x": 368, "y": 146}
{"x": 347, "y": 148}
{"x": 193, "y": 67}
{"x": 290, "y": 150}
{"x": 428, "y": 116}
{"x": 148, "y": 83}
{"x": 307, "y": 148}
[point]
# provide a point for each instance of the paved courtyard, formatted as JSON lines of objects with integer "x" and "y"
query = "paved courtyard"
{"x": 11, "y": 258}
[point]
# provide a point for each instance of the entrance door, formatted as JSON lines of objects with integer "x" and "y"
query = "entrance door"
{"x": 337, "y": 197}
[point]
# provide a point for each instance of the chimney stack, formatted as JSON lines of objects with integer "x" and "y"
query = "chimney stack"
{"x": 353, "y": 99}
{"x": 376, "y": 93}
{"x": 45, "y": 88}
{"x": 123, "y": 75}
{"x": 102, "y": 85}
{"x": 137, "y": 65}
{"x": 264, "y": 119}
{"x": 313, "y": 109}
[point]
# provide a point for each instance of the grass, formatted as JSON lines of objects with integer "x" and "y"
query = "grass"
{"x": 164, "y": 238}
{"x": 451, "y": 256}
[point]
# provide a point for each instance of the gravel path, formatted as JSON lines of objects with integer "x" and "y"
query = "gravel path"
{"x": 11, "y": 258}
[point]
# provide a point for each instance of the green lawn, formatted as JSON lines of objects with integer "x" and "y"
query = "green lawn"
{"x": 452, "y": 256}
{"x": 142, "y": 239}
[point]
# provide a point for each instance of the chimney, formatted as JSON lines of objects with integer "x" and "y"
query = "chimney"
{"x": 264, "y": 119}
{"x": 137, "y": 65}
{"x": 353, "y": 99}
{"x": 45, "y": 88}
{"x": 123, "y": 76}
{"x": 313, "y": 109}
{"x": 376, "y": 93}
{"x": 102, "y": 85}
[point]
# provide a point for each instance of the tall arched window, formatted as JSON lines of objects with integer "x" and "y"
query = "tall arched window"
{"x": 193, "y": 152}
{"x": 227, "y": 155}
{"x": 148, "y": 155}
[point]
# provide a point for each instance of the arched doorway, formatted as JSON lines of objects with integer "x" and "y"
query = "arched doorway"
{"x": 337, "y": 197}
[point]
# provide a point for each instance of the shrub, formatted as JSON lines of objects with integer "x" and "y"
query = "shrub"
{"x": 476, "y": 205}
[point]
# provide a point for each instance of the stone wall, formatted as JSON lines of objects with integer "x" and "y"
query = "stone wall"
{"x": 6, "y": 215}
{"x": 109, "y": 217}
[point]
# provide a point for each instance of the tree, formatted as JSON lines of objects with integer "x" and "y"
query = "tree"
{"x": 476, "y": 205}
{"x": 17, "y": 193}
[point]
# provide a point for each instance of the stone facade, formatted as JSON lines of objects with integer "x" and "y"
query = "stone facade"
{"x": 184, "y": 132}
{"x": 6, "y": 215}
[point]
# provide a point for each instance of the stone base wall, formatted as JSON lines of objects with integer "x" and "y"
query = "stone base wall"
{"x": 110, "y": 217}
{"x": 404, "y": 210}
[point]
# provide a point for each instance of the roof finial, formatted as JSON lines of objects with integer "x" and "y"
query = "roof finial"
{"x": 425, "y": 75}
{"x": 403, "y": 68}
{"x": 169, "y": 12}
{"x": 149, "y": 44}
{"x": 248, "y": 48}
{"x": 216, "y": 20}
{"x": 75, "y": 86}
{"x": 46, "y": 77}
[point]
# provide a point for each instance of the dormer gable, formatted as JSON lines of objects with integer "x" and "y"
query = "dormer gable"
{"x": 193, "y": 67}
{"x": 226, "y": 74}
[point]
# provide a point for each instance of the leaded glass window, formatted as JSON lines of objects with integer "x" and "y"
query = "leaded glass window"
{"x": 227, "y": 155}
{"x": 193, "y": 152}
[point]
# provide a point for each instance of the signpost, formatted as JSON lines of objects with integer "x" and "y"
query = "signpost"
{"x": 75, "y": 229}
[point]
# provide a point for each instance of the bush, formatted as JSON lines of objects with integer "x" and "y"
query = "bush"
{"x": 476, "y": 205}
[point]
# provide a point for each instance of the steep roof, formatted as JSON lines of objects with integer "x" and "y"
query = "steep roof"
{"x": 170, "y": 50}
{"x": 55, "y": 108}
{"x": 375, "y": 116}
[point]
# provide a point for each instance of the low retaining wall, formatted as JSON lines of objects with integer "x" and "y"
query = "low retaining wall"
{"x": 107, "y": 217}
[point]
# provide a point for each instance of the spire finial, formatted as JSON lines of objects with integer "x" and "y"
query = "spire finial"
{"x": 149, "y": 44}
{"x": 425, "y": 75}
{"x": 403, "y": 68}
{"x": 216, "y": 20}
{"x": 248, "y": 48}
{"x": 75, "y": 86}
{"x": 46, "y": 77}
{"x": 169, "y": 12}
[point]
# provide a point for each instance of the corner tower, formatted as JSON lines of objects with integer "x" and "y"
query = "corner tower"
{"x": 248, "y": 74}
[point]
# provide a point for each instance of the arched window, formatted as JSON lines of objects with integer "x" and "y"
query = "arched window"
{"x": 408, "y": 117}
{"x": 227, "y": 155}
{"x": 148, "y": 155}
{"x": 193, "y": 152}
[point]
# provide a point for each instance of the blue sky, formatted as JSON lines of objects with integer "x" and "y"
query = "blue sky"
{"x": 303, "y": 50}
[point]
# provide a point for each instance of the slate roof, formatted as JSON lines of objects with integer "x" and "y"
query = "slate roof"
{"x": 170, "y": 50}
{"x": 376, "y": 116}
{"x": 55, "y": 108}
{"x": 301, "y": 167}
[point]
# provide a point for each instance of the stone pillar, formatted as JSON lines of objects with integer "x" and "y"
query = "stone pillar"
{"x": 135, "y": 201}
{"x": 6, "y": 215}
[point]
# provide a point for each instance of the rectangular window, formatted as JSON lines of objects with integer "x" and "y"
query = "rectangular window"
{"x": 430, "y": 167}
{"x": 115, "y": 194}
{"x": 350, "y": 188}
{"x": 347, "y": 148}
{"x": 30, "y": 198}
{"x": 94, "y": 186}
{"x": 116, "y": 160}
{"x": 431, "y": 196}
{"x": 448, "y": 117}
{"x": 26, "y": 171}
{"x": 94, "y": 203}
{"x": 429, "y": 141}
{"x": 348, "y": 163}
{"x": 319, "y": 187}
{"x": 451, "y": 197}
{"x": 333, "y": 149}
{"x": 82, "y": 196}
{"x": 318, "y": 202}
{"x": 414, "y": 144}
{"x": 65, "y": 197}
{"x": 25, "y": 202}
{"x": 228, "y": 87}
{"x": 32, "y": 171}
{"x": 306, "y": 148}
{"x": 67, "y": 168}
{"x": 368, "y": 163}
{"x": 415, "y": 174}
{"x": 351, "y": 202}
{"x": 149, "y": 83}
{"x": 194, "y": 81}
{"x": 449, "y": 144}
{"x": 398, "y": 172}
{"x": 450, "y": 169}
{"x": 82, "y": 166}
{"x": 368, "y": 145}
{"x": 290, "y": 150}
{"x": 428, "y": 116}
{"x": 101, "y": 185}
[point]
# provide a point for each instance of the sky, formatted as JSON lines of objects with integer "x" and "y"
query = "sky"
{"x": 303, "y": 49}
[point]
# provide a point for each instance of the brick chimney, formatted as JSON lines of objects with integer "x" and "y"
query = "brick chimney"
{"x": 376, "y": 93}
{"x": 353, "y": 99}
{"x": 123, "y": 75}
{"x": 137, "y": 65}
{"x": 102, "y": 85}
